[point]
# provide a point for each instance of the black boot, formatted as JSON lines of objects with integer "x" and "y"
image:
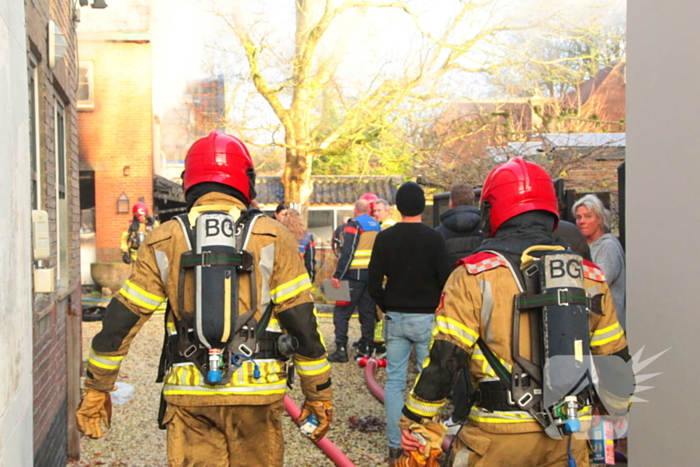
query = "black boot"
{"x": 340, "y": 355}
{"x": 363, "y": 350}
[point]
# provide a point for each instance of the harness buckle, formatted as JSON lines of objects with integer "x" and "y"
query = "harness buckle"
{"x": 510, "y": 398}
{"x": 189, "y": 351}
{"x": 523, "y": 401}
{"x": 245, "y": 350}
{"x": 206, "y": 259}
{"x": 560, "y": 298}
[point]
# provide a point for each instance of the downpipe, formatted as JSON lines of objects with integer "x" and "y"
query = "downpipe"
{"x": 324, "y": 444}
{"x": 370, "y": 365}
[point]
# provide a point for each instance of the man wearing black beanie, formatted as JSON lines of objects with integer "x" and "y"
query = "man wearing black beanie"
{"x": 414, "y": 259}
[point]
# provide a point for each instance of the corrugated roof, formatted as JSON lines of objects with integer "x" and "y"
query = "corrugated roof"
{"x": 345, "y": 189}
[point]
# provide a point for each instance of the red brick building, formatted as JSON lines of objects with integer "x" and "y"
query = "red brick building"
{"x": 116, "y": 123}
{"x": 471, "y": 136}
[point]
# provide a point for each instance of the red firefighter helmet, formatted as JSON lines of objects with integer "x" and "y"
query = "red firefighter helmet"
{"x": 515, "y": 187}
{"x": 219, "y": 158}
{"x": 371, "y": 197}
{"x": 139, "y": 209}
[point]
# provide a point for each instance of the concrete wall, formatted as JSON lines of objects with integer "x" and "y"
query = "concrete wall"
{"x": 663, "y": 226}
{"x": 15, "y": 260}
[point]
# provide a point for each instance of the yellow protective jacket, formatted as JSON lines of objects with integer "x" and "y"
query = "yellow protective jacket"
{"x": 477, "y": 301}
{"x": 281, "y": 278}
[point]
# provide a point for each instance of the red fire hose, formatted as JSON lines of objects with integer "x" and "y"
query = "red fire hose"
{"x": 328, "y": 448}
{"x": 371, "y": 365}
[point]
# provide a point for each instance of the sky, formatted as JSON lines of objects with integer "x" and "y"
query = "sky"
{"x": 184, "y": 32}
{"x": 187, "y": 39}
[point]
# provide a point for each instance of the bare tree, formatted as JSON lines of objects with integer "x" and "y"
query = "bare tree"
{"x": 558, "y": 78}
{"x": 302, "y": 88}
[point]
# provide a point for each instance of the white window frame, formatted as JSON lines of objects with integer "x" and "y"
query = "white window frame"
{"x": 62, "y": 214}
{"x": 89, "y": 104}
{"x": 35, "y": 175}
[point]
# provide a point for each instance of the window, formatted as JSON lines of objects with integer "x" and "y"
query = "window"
{"x": 33, "y": 95}
{"x": 62, "y": 218}
{"x": 86, "y": 100}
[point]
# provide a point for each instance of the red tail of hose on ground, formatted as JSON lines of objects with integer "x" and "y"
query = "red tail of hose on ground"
{"x": 370, "y": 365}
{"x": 324, "y": 444}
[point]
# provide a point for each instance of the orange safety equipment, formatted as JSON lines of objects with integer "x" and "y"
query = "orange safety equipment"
{"x": 220, "y": 158}
{"x": 139, "y": 209}
{"x": 515, "y": 187}
{"x": 95, "y": 409}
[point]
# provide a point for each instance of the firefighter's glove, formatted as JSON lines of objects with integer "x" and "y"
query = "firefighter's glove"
{"x": 126, "y": 257}
{"x": 324, "y": 414}
{"x": 94, "y": 409}
{"x": 421, "y": 442}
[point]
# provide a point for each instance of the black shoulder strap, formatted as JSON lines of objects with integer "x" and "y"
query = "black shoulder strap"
{"x": 501, "y": 371}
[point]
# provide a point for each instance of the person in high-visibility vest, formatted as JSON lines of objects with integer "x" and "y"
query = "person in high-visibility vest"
{"x": 358, "y": 239}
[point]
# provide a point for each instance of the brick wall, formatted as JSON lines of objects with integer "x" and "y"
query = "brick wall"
{"x": 50, "y": 382}
{"x": 55, "y": 313}
{"x": 594, "y": 176}
{"x": 117, "y": 134}
{"x": 52, "y": 450}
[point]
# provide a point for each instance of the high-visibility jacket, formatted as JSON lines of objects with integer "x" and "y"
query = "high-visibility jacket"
{"x": 477, "y": 301}
{"x": 359, "y": 235}
{"x": 281, "y": 279}
{"x": 388, "y": 222}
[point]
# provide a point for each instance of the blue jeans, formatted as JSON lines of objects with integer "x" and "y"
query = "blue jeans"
{"x": 403, "y": 330}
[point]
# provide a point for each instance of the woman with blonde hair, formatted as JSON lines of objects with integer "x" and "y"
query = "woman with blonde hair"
{"x": 595, "y": 221}
{"x": 307, "y": 245}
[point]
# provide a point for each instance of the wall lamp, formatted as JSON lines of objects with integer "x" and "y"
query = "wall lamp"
{"x": 123, "y": 204}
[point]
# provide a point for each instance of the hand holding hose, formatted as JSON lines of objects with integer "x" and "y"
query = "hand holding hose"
{"x": 324, "y": 414}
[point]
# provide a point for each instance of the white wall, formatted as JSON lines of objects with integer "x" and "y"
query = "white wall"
{"x": 16, "y": 436}
{"x": 663, "y": 226}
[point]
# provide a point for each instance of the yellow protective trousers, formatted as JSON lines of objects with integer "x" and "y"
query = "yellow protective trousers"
{"x": 225, "y": 436}
{"x": 475, "y": 447}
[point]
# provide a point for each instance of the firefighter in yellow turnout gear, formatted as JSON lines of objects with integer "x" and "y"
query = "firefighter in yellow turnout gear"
{"x": 134, "y": 236}
{"x": 475, "y": 323}
{"x": 237, "y": 422}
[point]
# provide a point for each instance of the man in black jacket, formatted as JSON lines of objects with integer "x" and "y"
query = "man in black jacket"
{"x": 461, "y": 223}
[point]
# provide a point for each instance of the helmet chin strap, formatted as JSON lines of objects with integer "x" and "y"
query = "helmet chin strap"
{"x": 251, "y": 180}
{"x": 486, "y": 218}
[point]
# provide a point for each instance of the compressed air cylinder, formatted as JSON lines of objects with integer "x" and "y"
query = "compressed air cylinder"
{"x": 565, "y": 326}
{"x": 216, "y": 284}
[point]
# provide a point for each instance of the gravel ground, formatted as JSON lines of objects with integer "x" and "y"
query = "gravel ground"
{"x": 135, "y": 440}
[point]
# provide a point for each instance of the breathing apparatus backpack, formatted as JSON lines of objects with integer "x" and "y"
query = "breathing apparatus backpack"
{"x": 557, "y": 380}
{"x": 213, "y": 336}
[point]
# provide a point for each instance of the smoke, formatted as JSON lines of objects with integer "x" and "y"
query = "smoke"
{"x": 180, "y": 33}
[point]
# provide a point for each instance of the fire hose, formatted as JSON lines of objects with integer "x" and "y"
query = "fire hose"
{"x": 324, "y": 444}
{"x": 370, "y": 364}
